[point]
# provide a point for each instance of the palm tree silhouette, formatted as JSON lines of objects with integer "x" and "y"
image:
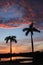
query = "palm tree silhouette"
{"x": 31, "y": 29}
{"x": 12, "y": 39}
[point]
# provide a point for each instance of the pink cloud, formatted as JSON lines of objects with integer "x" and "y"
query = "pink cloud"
{"x": 16, "y": 24}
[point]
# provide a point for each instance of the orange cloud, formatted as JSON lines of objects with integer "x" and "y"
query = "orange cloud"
{"x": 14, "y": 24}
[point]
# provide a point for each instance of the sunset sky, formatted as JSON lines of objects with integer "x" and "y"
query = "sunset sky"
{"x": 16, "y": 15}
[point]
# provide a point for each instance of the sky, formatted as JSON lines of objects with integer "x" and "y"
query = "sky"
{"x": 16, "y": 15}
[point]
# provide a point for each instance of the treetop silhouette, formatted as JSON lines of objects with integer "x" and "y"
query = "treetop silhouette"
{"x": 31, "y": 29}
{"x": 12, "y": 39}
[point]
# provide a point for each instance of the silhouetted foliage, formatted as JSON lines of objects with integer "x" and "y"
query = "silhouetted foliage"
{"x": 12, "y": 39}
{"x": 31, "y": 29}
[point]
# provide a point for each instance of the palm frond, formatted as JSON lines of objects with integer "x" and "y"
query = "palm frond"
{"x": 5, "y": 38}
{"x": 36, "y": 30}
{"x": 13, "y": 36}
{"x": 6, "y": 41}
{"x": 9, "y": 37}
{"x": 27, "y": 33}
{"x": 25, "y": 29}
{"x": 15, "y": 40}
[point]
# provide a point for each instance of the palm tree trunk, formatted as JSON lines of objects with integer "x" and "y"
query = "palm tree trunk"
{"x": 32, "y": 43}
{"x": 10, "y": 51}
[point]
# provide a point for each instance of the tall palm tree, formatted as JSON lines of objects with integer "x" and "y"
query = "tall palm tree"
{"x": 31, "y": 29}
{"x": 12, "y": 39}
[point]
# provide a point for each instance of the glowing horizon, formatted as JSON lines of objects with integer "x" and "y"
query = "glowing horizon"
{"x": 21, "y": 48}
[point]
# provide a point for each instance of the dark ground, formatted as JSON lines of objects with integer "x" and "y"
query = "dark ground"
{"x": 37, "y": 59}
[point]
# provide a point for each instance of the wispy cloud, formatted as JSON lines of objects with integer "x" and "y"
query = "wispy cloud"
{"x": 15, "y": 13}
